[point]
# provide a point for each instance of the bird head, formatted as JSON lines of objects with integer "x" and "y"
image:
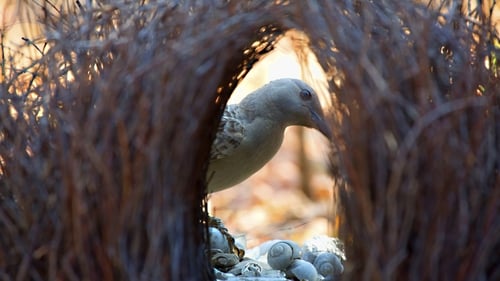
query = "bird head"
{"x": 296, "y": 103}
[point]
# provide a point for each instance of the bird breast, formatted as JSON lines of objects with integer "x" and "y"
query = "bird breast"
{"x": 257, "y": 148}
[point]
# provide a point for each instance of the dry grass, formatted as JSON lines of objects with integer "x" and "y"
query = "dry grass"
{"x": 104, "y": 139}
{"x": 103, "y": 162}
{"x": 418, "y": 139}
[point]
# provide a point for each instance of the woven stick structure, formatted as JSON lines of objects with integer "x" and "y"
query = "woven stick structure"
{"x": 105, "y": 136}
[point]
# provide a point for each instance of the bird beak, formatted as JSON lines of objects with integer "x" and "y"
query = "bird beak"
{"x": 321, "y": 125}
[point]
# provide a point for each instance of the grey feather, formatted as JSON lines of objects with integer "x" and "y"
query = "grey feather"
{"x": 230, "y": 133}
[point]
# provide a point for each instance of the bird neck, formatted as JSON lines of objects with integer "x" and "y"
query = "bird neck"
{"x": 261, "y": 105}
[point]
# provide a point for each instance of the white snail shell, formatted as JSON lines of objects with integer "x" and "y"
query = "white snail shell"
{"x": 320, "y": 244}
{"x": 224, "y": 260}
{"x": 217, "y": 240}
{"x": 328, "y": 264}
{"x": 251, "y": 269}
{"x": 302, "y": 270}
{"x": 282, "y": 253}
{"x": 247, "y": 268}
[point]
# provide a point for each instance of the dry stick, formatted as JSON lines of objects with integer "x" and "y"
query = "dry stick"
{"x": 422, "y": 123}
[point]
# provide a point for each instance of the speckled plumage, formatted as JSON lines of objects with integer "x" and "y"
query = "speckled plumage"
{"x": 251, "y": 132}
{"x": 230, "y": 133}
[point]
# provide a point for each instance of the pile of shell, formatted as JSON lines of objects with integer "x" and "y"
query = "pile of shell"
{"x": 319, "y": 258}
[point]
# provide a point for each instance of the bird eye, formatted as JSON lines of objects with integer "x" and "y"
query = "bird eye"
{"x": 305, "y": 94}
